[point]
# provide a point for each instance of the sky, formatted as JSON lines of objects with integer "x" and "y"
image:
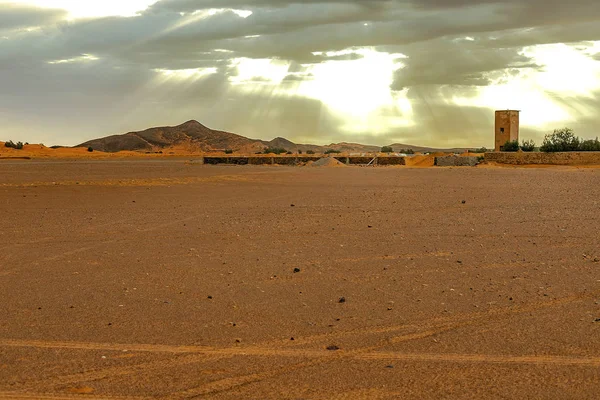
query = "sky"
{"x": 422, "y": 72}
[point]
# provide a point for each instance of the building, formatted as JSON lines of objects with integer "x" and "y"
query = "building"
{"x": 507, "y": 127}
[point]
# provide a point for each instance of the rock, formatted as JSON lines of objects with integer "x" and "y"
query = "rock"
{"x": 389, "y": 366}
{"x": 342, "y": 300}
{"x": 333, "y": 347}
{"x": 597, "y": 320}
{"x": 210, "y": 297}
{"x": 292, "y": 205}
{"x": 464, "y": 202}
{"x": 296, "y": 270}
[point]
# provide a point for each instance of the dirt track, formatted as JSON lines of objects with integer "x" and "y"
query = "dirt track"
{"x": 161, "y": 279}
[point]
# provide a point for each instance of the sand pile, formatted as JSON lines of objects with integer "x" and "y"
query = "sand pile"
{"x": 420, "y": 161}
{"x": 328, "y": 162}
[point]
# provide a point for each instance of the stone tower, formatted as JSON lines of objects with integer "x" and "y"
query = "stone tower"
{"x": 507, "y": 127}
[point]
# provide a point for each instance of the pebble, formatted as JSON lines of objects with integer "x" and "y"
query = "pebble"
{"x": 296, "y": 270}
{"x": 342, "y": 300}
{"x": 333, "y": 347}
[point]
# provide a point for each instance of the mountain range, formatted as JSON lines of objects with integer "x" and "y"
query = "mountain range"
{"x": 194, "y": 137}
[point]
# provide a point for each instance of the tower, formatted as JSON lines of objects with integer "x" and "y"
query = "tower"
{"x": 507, "y": 127}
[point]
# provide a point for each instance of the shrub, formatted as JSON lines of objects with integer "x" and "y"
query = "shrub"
{"x": 91, "y": 149}
{"x": 332, "y": 151}
{"x": 528, "y": 146}
{"x": 13, "y": 145}
{"x": 387, "y": 149}
{"x": 289, "y": 153}
{"x": 511, "y": 146}
{"x": 561, "y": 140}
{"x": 311, "y": 152}
{"x": 590, "y": 145}
{"x": 480, "y": 150}
{"x": 299, "y": 151}
{"x": 228, "y": 151}
{"x": 407, "y": 151}
{"x": 274, "y": 150}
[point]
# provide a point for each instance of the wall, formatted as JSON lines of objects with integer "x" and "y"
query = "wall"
{"x": 456, "y": 161}
{"x": 567, "y": 158}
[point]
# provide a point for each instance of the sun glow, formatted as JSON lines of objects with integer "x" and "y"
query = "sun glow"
{"x": 90, "y": 9}
{"x": 547, "y": 96}
{"x": 359, "y": 89}
{"x": 81, "y": 59}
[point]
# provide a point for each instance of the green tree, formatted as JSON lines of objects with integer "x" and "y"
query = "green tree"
{"x": 387, "y": 149}
{"x": 511, "y": 146}
{"x": 528, "y": 146}
{"x": 561, "y": 140}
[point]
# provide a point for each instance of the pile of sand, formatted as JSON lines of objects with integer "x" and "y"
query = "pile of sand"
{"x": 420, "y": 161}
{"x": 328, "y": 162}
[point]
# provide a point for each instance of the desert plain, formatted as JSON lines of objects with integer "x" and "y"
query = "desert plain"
{"x": 145, "y": 279}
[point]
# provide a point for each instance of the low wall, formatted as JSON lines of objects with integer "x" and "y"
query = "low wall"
{"x": 456, "y": 161}
{"x": 295, "y": 160}
{"x": 566, "y": 158}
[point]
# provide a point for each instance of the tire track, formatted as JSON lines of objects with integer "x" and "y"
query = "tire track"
{"x": 282, "y": 348}
{"x": 483, "y": 359}
{"x": 55, "y": 396}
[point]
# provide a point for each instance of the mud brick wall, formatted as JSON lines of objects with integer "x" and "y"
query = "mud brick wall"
{"x": 456, "y": 161}
{"x": 566, "y": 158}
{"x": 391, "y": 161}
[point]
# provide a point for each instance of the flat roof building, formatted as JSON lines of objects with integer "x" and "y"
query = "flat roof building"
{"x": 507, "y": 128}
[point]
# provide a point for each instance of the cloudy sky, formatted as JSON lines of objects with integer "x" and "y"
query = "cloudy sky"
{"x": 424, "y": 72}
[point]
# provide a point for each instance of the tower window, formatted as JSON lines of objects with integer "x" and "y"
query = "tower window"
{"x": 501, "y": 130}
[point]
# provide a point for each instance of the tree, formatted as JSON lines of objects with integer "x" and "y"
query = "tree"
{"x": 332, "y": 151}
{"x": 590, "y": 145}
{"x": 90, "y": 149}
{"x": 561, "y": 140}
{"x": 528, "y": 146}
{"x": 228, "y": 151}
{"x": 511, "y": 146}
{"x": 387, "y": 149}
{"x": 310, "y": 152}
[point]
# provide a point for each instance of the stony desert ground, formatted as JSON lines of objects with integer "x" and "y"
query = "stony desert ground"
{"x": 135, "y": 279}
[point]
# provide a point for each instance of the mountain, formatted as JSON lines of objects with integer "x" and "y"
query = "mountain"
{"x": 192, "y": 136}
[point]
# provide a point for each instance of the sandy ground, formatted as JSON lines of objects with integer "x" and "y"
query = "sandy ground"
{"x": 165, "y": 279}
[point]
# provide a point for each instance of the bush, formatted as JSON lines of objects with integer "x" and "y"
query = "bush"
{"x": 407, "y": 151}
{"x": 590, "y": 145}
{"x": 274, "y": 150}
{"x": 528, "y": 146}
{"x": 299, "y": 151}
{"x": 228, "y": 151}
{"x": 332, "y": 151}
{"x": 561, "y": 140}
{"x": 387, "y": 149}
{"x": 91, "y": 149}
{"x": 13, "y": 145}
{"x": 310, "y": 152}
{"x": 480, "y": 150}
{"x": 511, "y": 146}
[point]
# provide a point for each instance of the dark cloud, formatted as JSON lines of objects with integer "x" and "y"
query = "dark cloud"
{"x": 15, "y": 16}
{"x": 451, "y": 47}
